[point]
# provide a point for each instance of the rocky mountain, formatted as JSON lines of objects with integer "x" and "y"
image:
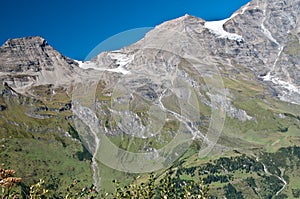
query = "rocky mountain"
{"x": 272, "y": 28}
{"x": 263, "y": 37}
{"x": 229, "y": 87}
{"x": 32, "y": 61}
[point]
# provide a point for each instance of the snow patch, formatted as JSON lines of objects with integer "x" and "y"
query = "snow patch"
{"x": 290, "y": 88}
{"x": 217, "y": 27}
{"x": 268, "y": 76}
{"x": 121, "y": 59}
{"x": 86, "y": 65}
{"x": 286, "y": 85}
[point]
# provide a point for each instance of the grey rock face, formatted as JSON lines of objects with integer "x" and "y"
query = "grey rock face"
{"x": 30, "y": 54}
{"x": 271, "y": 40}
{"x": 29, "y": 61}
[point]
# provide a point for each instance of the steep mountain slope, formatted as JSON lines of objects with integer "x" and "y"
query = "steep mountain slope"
{"x": 190, "y": 90}
{"x": 273, "y": 30}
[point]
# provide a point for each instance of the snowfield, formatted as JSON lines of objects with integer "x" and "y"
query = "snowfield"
{"x": 216, "y": 27}
{"x": 121, "y": 60}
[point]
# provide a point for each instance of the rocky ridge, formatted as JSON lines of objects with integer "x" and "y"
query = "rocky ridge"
{"x": 263, "y": 37}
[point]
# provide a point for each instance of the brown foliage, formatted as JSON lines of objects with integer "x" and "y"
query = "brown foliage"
{"x": 7, "y": 181}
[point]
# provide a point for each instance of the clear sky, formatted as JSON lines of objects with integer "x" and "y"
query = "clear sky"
{"x": 75, "y": 27}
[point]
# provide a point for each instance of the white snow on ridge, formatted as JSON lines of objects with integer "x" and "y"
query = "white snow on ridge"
{"x": 217, "y": 28}
{"x": 86, "y": 65}
{"x": 121, "y": 60}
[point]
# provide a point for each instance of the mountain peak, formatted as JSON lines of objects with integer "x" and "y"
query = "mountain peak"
{"x": 186, "y": 16}
{"x": 31, "y": 40}
{"x": 181, "y": 21}
{"x": 30, "y": 54}
{"x": 35, "y": 60}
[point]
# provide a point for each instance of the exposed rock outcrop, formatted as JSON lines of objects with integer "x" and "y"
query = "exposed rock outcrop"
{"x": 30, "y": 61}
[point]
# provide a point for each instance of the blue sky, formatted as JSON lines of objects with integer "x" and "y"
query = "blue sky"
{"x": 75, "y": 27}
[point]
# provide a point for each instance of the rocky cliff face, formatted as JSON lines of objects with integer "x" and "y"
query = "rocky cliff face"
{"x": 271, "y": 38}
{"x": 30, "y": 54}
{"x": 32, "y": 61}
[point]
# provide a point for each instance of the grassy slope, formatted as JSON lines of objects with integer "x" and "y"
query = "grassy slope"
{"x": 39, "y": 148}
{"x": 275, "y": 125}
